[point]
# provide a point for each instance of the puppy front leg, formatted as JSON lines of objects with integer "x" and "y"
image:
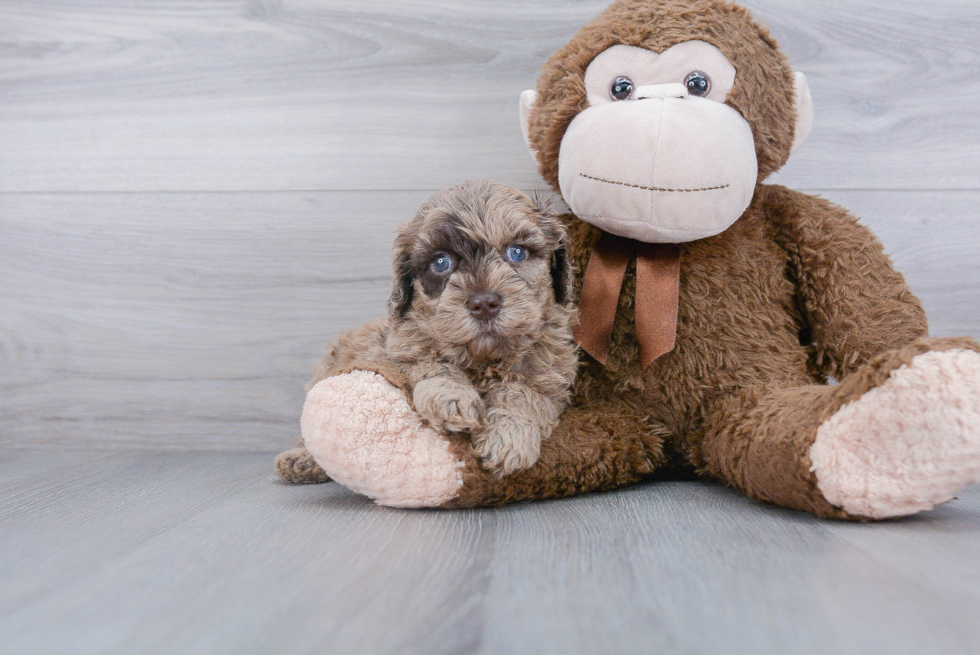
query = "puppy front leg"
{"x": 447, "y": 400}
{"x": 518, "y": 420}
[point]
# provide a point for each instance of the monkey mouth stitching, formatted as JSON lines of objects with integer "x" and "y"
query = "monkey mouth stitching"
{"x": 654, "y": 188}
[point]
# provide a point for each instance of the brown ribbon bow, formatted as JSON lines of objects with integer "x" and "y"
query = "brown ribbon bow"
{"x": 657, "y": 284}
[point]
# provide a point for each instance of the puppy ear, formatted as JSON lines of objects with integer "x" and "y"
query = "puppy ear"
{"x": 561, "y": 275}
{"x": 546, "y": 208}
{"x": 547, "y": 203}
{"x": 403, "y": 284}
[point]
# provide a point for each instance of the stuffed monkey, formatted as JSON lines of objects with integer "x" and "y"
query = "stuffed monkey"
{"x": 715, "y": 308}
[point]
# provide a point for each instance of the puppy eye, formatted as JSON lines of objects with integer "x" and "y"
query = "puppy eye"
{"x": 621, "y": 89}
{"x": 516, "y": 253}
{"x": 697, "y": 83}
{"x": 443, "y": 263}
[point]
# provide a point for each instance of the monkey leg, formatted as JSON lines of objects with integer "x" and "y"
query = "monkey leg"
{"x": 898, "y": 436}
{"x": 366, "y": 436}
{"x": 297, "y": 466}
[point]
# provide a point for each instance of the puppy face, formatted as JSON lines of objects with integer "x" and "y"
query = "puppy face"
{"x": 479, "y": 268}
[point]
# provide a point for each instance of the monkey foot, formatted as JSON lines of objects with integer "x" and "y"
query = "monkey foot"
{"x": 907, "y": 445}
{"x": 364, "y": 434}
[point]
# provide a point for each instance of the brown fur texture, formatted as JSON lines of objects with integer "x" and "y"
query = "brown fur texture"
{"x": 501, "y": 381}
{"x": 741, "y": 396}
{"x": 794, "y": 293}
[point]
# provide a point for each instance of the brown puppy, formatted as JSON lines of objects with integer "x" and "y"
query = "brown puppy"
{"x": 479, "y": 326}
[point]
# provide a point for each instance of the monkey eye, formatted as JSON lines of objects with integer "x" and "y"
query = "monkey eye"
{"x": 443, "y": 263}
{"x": 516, "y": 253}
{"x": 621, "y": 89}
{"x": 697, "y": 83}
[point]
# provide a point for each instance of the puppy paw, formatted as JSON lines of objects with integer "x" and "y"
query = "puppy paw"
{"x": 509, "y": 444}
{"x": 449, "y": 405}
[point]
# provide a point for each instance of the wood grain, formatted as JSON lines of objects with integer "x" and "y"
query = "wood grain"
{"x": 682, "y": 567}
{"x": 145, "y": 314}
{"x": 152, "y": 554}
{"x": 193, "y": 320}
{"x": 208, "y": 553}
{"x": 421, "y": 94}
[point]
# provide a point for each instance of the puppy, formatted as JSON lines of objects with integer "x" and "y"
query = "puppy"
{"x": 479, "y": 325}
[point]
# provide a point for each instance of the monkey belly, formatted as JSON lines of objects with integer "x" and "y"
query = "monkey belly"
{"x": 737, "y": 327}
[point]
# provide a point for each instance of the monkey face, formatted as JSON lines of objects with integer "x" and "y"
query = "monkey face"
{"x": 479, "y": 269}
{"x": 659, "y": 138}
{"x": 657, "y": 156}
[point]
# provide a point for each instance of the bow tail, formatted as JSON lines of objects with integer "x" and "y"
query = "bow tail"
{"x": 600, "y": 294}
{"x": 658, "y": 272}
{"x": 657, "y": 287}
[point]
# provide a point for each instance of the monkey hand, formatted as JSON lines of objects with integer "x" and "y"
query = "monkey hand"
{"x": 449, "y": 405}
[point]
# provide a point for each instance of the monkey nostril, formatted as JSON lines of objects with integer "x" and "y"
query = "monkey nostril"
{"x": 484, "y": 306}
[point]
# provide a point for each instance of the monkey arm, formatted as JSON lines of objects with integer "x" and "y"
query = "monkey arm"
{"x": 854, "y": 304}
{"x": 354, "y": 350}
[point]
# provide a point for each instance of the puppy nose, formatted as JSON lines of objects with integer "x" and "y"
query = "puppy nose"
{"x": 484, "y": 306}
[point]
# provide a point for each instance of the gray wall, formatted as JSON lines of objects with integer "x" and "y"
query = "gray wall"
{"x": 195, "y": 196}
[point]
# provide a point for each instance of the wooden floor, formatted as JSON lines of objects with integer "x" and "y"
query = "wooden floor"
{"x": 196, "y": 195}
{"x": 133, "y": 551}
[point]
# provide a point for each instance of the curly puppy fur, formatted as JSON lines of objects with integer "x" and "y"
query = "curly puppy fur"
{"x": 500, "y": 375}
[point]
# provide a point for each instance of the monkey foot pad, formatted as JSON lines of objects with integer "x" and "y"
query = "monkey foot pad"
{"x": 364, "y": 434}
{"x": 907, "y": 445}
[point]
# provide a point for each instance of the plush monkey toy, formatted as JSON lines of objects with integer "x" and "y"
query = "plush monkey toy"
{"x": 715, "y": 308}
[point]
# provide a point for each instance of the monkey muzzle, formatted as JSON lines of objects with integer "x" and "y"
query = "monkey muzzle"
{"x": 666, "y": 167}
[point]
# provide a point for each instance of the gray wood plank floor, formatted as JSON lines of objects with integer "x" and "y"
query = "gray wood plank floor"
{"x": 142, "y": 552}
{"x": 195, "y": 196}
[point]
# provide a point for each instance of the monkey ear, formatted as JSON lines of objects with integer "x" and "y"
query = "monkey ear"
{"x": 804, "y": 111}
{"x": 403, "y": 284}
{"x": 561, "y": 275}
{"x": 527, "y": 101}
